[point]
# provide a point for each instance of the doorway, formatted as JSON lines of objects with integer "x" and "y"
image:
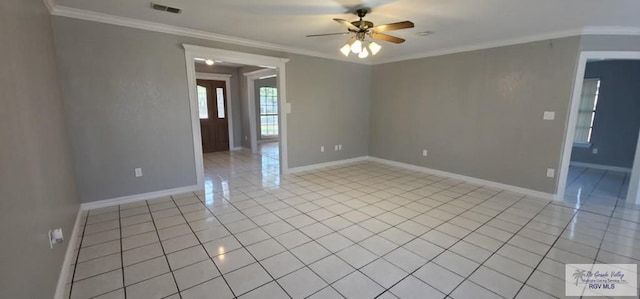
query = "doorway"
{"x": 602, "y": 132}
{"x": 213, "y": 113}
{"x": 213, "y": 55}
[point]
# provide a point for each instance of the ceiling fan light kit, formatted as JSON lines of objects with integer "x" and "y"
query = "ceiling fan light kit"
{"x": 361, "y": 29}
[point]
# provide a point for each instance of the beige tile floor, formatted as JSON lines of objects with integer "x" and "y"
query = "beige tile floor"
{"x": 362, "y": 230}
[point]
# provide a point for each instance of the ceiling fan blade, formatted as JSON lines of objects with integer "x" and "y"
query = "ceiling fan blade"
{"x": 393, "y": 26}
{"x": 389, "y": 38}
{"x": 328, "y": 34}
{"x": 347, "y": 24}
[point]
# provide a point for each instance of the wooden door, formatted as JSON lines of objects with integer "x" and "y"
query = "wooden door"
{"x": 214, "y": 124}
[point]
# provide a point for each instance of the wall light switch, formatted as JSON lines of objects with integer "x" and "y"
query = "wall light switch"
{"x": 287, "y": 107}
{"x": 424, "y": 152}
{"x": 138, "y": 172}
{"x": 339, "y": 147}
{"x": 549, "y": 115}
{"x": 322, "y": 149}
{"x": 335, "y": 147}
{"x": 551, "y": 172}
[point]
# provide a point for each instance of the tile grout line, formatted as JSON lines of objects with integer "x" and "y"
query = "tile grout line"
{"x": 75, "y": 265}
{"x": 163, "y": 251}
{"x": 124, "y": 290}
{"x": 201, "y": 245}
{"x": 447, "y": 249}
{"x": 575, "y": 213}
{"x": 496, "y": 252}
{"x": 337, "y": 231}
{"x": 327, "y": 185}
{"x": 244, "y": 247}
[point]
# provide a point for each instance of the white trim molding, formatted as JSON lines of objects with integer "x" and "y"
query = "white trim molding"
{"x": 590, "y": 30}
{"x": 251, "y": 78}
{"x": 574, "y": 105}
{"x": 68, "y": 257}
{"x": 600, "y": 166}
{"x": 50, "y": 4}
{"x": 192, "y": 52}
{"x": 327, "y": 164}
{"x": 88, "y": 15}
{"x": 473, "y": 180}
{"x": 227, "y": 82}
{"x": 137, "y": 197}
{"x": 633, "y": 193}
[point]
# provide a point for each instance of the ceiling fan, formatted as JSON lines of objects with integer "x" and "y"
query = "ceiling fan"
{"x": 361, "y": 29}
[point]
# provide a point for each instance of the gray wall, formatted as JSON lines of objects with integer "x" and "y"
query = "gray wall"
{"x": 609, "y": 43}
{"x": 617, "y": 121}
{"x": 268, "y": 82}
{"x": 235, "y": 95}
{"x": 127, "y": 106}
{"x": 37, "y": 189}
{"x": 244, "y": 104}
{"x": 330, "y": 106}
{"x": 478, "y": 113}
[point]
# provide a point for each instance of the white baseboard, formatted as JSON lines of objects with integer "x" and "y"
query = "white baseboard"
{"x": 326, "y": 164}
{"x": 137, "y": 197}
{"x": 469, "y": 179}
{"x": 600, "y": 166}
{"x": 237, "y": 148}
{"x": 68, "y": 257}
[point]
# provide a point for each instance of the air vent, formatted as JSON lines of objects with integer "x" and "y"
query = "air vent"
{"x": 165, "y": 8}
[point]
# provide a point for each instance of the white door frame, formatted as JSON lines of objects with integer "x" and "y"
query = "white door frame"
{"x": 251, "y": 102}
{"x": 633, "y": 194}
{"x": 191, "y": 52}
{"x": 570, "y": 128}
{"x": 227, "y": 82}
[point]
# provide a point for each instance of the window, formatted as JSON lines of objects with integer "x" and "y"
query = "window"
{"x": 268, "y": 111}
{"x": 202, "y": 102}
{"x": 587, "y": 111}
{"x": 220, "y": 102}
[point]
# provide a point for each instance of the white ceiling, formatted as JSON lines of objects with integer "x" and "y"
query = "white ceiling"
{"x": 457, "y": 24}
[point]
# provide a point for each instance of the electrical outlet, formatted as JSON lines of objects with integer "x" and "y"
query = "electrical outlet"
{"x": 322, "y": 149}
{"x": 551, "y": 172}
{"x": 594, "y": 151}
{"x": 339, "y": 147}
{"x": 138, "y": 172}
{"x": 424, "y": 152}
{"x": 55, "y": 237}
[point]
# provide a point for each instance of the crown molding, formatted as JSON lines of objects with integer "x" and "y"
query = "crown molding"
{"x": 610, "y": 30}
{"x": 50, "y": 4}
{"x": 589, "y": 30}
{"x": 87, "y": 15}
{"x": 481, "y": 46}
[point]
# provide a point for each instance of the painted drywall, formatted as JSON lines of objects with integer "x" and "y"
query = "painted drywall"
{"x": 610, "y": 43}
{"x": 267, "y": 82}
{"x": 477, "y": 113}
{"x": 330, "y": 106}
{"x": 37, "y": 188}
{"x": 127, "y": 106}
{"x": 235, "y": 95}
{"x": 244, "y": 105}
{"x": 617, "y": 120}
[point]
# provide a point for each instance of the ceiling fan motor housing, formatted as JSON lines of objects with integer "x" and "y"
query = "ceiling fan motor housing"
{"x": 362, "y": 24}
